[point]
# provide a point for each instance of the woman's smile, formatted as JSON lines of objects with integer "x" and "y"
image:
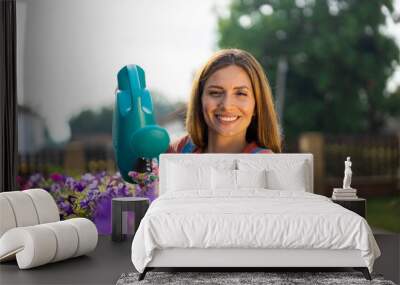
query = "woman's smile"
{"x": 227, "y": 119}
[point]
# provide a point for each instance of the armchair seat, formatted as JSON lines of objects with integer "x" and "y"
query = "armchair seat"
{"x": 31, "y": 232}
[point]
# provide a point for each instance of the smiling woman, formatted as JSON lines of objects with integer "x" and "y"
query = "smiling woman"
{"x": 228, "y": 108}
{"x": 231, "y": 108}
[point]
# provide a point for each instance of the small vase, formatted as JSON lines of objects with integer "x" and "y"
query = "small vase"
{"x": 102, "y": 216}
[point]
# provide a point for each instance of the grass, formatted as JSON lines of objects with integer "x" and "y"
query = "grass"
{"x": 384, "y": 213}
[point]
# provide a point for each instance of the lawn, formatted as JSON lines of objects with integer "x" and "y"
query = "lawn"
{"x": 384, "y": 213}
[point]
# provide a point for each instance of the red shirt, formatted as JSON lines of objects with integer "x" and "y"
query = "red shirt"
{"x": 185, "y": 145}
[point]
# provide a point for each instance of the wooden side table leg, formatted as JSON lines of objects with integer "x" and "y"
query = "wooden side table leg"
{"x": 116, "y": 221}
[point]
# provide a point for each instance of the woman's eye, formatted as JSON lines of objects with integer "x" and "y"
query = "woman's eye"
{"x": 242, "y": 94}
{"x": 215, "y": 93}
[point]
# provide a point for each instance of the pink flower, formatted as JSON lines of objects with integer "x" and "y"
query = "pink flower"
{"x": 57, "y": 177}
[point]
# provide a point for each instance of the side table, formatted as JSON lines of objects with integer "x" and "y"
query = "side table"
{"x": 358, "y": 205}
{"x": 138, "y": 205}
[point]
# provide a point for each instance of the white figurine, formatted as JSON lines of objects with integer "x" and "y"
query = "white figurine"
{"x": 347, "y": 192}
{"x": 347, "y": 174}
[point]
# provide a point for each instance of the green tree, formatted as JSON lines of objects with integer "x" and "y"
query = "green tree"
{"x": 100, "y": 122}
{"x": 92, "y": 122}
{"x": 338, "y": 60}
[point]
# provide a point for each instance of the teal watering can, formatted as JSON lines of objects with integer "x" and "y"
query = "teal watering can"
{"x": 134, "y": 131}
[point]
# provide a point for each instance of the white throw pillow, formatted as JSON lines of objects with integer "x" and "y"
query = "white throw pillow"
{"x": 223, "y": 179}
{"x": 251, "y": 178}
{"x": 188, "y": 177}
{"x": 293, "y": 181}
{"x": 280, "y": 174}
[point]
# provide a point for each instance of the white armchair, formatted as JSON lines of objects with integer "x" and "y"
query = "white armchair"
{"x": 31, "y": 230}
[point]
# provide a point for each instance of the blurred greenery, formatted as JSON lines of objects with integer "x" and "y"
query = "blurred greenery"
{"x": 338, "y": 59}
{"x": 46, "y": 168}
{"x": 384, "y": 213}
{"x": 92, "y": 122}
{"x": 100, "y": 122}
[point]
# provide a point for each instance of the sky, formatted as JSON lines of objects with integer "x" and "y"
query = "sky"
{"x": 69, "y": 52}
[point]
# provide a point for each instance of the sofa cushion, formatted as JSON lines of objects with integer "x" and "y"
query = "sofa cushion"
{"x": 45, "y": 206}
{"x": 24, "y": 211}
{"x": 7, "y": 220}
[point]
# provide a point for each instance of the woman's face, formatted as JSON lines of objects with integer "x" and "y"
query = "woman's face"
{"x": 228, "y": 102}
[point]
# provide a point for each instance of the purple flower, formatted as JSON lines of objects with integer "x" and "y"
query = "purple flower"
{"x": 89, "y": 196}
{"x": 79, "y": 186}
{"x": 123, "y": 190}
{"x": 100, "y": 175}
{"x": 35, "y": 179}
{"x": 70, "y": 182}
{"x": 94, "y": 184}
{"x": 88, "y": 178}
{"x": 55, "y": 188}
{"x": 93, "y": 193}
{"x": 65, "y": 207}
{"x": 84, "y": 203}
{"x": 147, "y": 192}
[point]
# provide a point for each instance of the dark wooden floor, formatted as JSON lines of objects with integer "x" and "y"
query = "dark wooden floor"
{"x": 110, "y": 260}
{"x": 102, "y": 266}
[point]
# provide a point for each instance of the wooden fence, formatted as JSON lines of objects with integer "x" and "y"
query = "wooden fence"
{"x": 75, "y": 159}
{"x": 375, "y": 156}
{"x": 376, "y": 161}
{"x": 44, "y": 161}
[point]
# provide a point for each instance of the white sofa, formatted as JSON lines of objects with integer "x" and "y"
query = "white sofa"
{"x": 31, "y": 230}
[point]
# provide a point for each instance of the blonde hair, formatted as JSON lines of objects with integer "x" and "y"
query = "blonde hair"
{"x": 264, "y": 127}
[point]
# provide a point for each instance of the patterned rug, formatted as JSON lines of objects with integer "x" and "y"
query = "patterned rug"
{"x": 229, "y": 278}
